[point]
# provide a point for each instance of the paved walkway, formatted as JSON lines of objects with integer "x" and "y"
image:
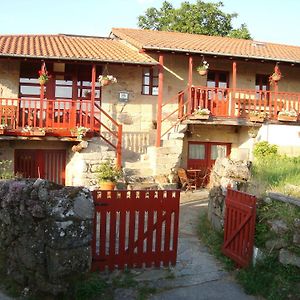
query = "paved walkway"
{"x": 197, "y": 274}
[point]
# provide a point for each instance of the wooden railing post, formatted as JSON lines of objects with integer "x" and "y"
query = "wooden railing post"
{"x": 159, "y": 100}
{"x": 232, "y": 100}
{"x": 93, "y": 97}
{"x": 190, "y": 83}
{"x": 180, "y": 104}
{"x": 42, "y": 96}
{"x": 119, "y": 147}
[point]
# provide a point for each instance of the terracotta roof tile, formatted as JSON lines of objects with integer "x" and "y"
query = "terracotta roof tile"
{"x": 185, "y": 42}
{"x": 71, "y": 47}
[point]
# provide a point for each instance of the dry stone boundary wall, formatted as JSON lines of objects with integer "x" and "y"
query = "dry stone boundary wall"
{"x": 45, "y": 232}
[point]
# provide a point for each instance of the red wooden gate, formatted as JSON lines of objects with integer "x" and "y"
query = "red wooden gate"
{"x": 132, "y": 228}
{"x": 239, "y": 227}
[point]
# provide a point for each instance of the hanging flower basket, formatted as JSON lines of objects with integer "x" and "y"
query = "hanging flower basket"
{"x": 107, "y": 80}
{"x": 202, "y": 72}
{"x": 202, "y": 69}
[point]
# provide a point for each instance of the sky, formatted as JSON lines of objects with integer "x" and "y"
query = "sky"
{"x": 276, "y": 21}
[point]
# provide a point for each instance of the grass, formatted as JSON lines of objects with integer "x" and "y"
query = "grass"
{"x": 276, "y": 173}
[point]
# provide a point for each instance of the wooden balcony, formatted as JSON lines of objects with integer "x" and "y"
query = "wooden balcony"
{"x": 237, "y": 104}
{"x": 23, "y": 117}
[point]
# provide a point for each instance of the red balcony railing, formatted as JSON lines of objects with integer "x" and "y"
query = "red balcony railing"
{"x": 59, "y": 116}
{"x": 238, "y": 103}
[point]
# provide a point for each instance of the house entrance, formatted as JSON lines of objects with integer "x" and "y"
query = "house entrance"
{"x": 202, "y": 156}
{"x": 38, "y": 163}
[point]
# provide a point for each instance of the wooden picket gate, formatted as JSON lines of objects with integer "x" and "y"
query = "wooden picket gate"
{"x": 135, "y": 228}
{"x": 239, "y": 227}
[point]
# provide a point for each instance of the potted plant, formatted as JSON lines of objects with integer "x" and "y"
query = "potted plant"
{"x": 43, "y": 76}
{"x": 106, "y": 80}
{"x": 107, "y": 175}
{"x": 201, "y": 114}
{"x": 276, "y": 76}
{"x": 79, "y": 132}
{"x": 202, "y": 69}
{"x": 2, "y": 128}
{"x": 257, "y": 116}
{"x": 288, "y": 116}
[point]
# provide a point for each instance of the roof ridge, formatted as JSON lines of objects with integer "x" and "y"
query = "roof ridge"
{"x": 55, "y": 35}
{"x": 203, "y": 35}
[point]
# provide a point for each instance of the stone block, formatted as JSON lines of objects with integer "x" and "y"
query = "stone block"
{"x": 278, "y": 226}
{"x": 276, "y": 244}
{"x": 66, "y": 262}
{"x": 296, "y": 239}
{"x": 288, "y": 258}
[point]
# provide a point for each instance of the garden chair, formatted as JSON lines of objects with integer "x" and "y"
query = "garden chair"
{"x": 187, "y": 183}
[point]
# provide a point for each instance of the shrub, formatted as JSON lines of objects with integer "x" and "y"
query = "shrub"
{"x": 264, "y": 149}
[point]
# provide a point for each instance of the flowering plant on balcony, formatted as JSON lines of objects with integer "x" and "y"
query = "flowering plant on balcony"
{"x": 276, "y": 76}
{"x": 79, "y": 132}
{"x": 289, "y": 113}
{"x": 202, "y": 111}
{"x": 202, "y": 69}
{"x": 106, "y": 79}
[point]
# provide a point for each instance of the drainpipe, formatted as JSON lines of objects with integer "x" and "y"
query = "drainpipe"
{"x": 159, "y": 99}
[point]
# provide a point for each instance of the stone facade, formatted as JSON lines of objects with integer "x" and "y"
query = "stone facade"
{"x": 45, "y": 233}
{"x": 9, "y": 79}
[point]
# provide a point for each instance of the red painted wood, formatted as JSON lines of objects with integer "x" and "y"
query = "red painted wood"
{"x": 190, "y": 83}
{"x": 239, "y": 227}
{"x": 133, "y": 237}
{"x": 47, "y": 164}
{"x": 159, "y": 99}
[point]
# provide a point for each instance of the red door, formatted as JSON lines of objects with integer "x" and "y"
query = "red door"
{"x": 38, "y": 163}
{"x": 202, "y": 156}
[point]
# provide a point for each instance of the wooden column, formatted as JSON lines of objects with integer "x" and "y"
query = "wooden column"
{"x": 42, "y": 96}
{"x": 190, "y": 83}
{"x": 159, "y": 99}
{"x": 93, "y": 96}
{"x": 232, "y": 101}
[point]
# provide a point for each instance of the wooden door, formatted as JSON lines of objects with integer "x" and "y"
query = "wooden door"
{"x": 202, "y": 156}
{"x": 40, "y": 163}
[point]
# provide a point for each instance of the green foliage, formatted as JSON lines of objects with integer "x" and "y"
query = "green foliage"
{"x": 107, "y": 171}
{"x": 89, "y": 288}
{"x": 277, "y": 173}
{"x": 199, "y": 18}
{"x": 271, "y": 280}
{"x": 264, "y": 149}
{"x": 6, "y": 169}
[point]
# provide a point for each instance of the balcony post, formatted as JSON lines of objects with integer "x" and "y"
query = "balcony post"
{"x": 159, "y": 99}
{"x": 42, "y": 96}
{"x": 232, "y": 101}
{"x": 93, "y": 88}
{"x": 190, "y": 83}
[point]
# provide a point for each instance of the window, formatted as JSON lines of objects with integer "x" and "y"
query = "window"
{"x": 262, "y": 86}
{"x": 217, "y": 79}
{"x": 150, "y": 81}
{"x": 196, "y": 151}
{"x": 218, "y": 151}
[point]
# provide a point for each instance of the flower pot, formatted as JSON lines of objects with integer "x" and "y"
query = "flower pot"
{"x": 2, "y": 130}
{"x": 276, "y": 77}
{"x": 285, "y": 118}
{"x": 199, "y": 117}
{"x": 258, "y": 119}
{"x": 105, "y": 82}
{"x": 42, "y": 81}
{"x": 202, "y": 72}
{"x": 107, "y": 185}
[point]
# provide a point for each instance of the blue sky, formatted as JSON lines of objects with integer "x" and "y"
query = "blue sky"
{"x": 275, "y": 21}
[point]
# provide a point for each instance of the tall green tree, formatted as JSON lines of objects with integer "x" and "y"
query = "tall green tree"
{"x": 200, "y": 18}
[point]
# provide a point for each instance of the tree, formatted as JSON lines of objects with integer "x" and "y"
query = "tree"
{"x": 199, "y": 18}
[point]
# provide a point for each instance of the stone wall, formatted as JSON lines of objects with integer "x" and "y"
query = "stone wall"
{"x": 45, "y": 232}
{"x": 9, "y": 79}
{"x": 225, "y": 173}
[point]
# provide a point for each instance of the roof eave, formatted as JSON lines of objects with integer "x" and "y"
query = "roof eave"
{"x": 220, "y": 54}
{"x": 79, "y": 59}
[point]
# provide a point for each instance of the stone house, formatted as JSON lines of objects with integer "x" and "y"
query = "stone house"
{"x": 147, "y": 119}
